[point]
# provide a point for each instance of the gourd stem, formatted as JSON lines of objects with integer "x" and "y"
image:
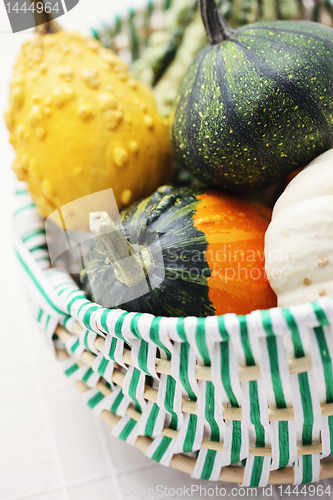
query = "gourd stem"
{"x": 217, "y": 28}
{"x": 45, "y": 24}
{"x": 131, "y": 264}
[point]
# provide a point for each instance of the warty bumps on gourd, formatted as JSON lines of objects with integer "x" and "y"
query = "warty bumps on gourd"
{"x": 257, "y": 103}
{"x": 80, "y": 123}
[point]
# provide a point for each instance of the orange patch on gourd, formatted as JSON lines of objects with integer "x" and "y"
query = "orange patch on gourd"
{"x": 235, "y": 231}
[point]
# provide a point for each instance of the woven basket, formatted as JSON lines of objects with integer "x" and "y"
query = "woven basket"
{"x": 246, "y": 399}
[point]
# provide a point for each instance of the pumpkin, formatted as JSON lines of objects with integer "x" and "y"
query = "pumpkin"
{"x": 257, "y": 103}
{"x": 298, "y": 242}
{"x": 80, "y": 124}
{"x": 205, "y": 256}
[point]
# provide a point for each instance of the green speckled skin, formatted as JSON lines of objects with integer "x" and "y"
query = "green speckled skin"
{"x": 168, "y": 213}
{"x": 257, "y": 106}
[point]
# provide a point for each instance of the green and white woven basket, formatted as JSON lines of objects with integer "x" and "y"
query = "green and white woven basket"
{"x": 245, "y": 399}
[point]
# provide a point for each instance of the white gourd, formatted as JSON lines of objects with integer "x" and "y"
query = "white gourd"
{"x": 299, "y": 239}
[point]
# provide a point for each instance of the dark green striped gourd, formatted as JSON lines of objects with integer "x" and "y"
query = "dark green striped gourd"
{"x": 257, "y": 103}
{"x": 167, "y": 214}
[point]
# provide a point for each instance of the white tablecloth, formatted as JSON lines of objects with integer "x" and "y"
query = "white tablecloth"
{"x": 51, "y": 446}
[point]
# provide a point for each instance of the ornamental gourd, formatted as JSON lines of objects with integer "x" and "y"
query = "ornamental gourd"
{"x": 201, "y": 251}
{"x": 80, "y": 124}
{"x": 257, "y": 103}
{"x": 298, "y": 243}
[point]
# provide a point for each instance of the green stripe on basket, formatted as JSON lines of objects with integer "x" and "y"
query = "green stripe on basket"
{"x": 117, "y": 24}
{"x": 154, "y": 335}
{"x": 190, "y": 433}
{"x": 307, "y": 408}
{"x": 209, "y": 412}
{"x": 295, "y": 336}
{"x": 112, "y": 349}
{"x": 143, "y": 357}
{"x": 246, "y": 341}
{"x": 117, "y": 401}
{"x": 305, "y": 395}
{"x": 38, "y": 247}
{"x": 40, "y": 315}
{"x": 19, "y": 192}
{"x": 134, "y": 326}
{"x": 327, "y": 362}
{"x": 330, "y": 426}
{"x": 283, "y": 444}
{"x": 208, "y": 465}
{"x": 72, "y": 302}
{"x": 33, "y": 234}
{"x": 254, "y": 405}
{"x": 38, "y": 286}
{"x": 327, "y": 367}
{"x": 102, "y": 366}
{"x": 183, "y": 371}
{"x": 104, "y": 318}
{"x": 236, "y": 442}
{"x": 321, "y": 316}
{"x": 65, "y": 321}
{"x": 63, "y": 284}
{"x": 133, "y": 35}
{"x": 161, "y": 449}
{"x": 225, "y": 374}
{"x": 75, "y": 346}
{"x": 307, "y": 469}
{"x": 43, "y": 259}
{"x": 95, "y": 400}
{"x": 151, "y": 420}
{"x": 87, "y": 316}
{"x": 223, "y": 331}
{"x": 273, "y": 359}
{"x": 133, "y": 388}
{"x": 22, "y": 209}
{"x": 255, "y": 413}
{"x": 71, "y": 293}
{"x": 65, "y": 290}
{"x": 201, "y": 341}
{"x": 169, "y": 401}
{"x": 127, "y": 429}
{"x": 119, "y": 325}
{"x": 87, "y": 375}
{"x": 258, "y": 463}
{"x": 94, "y": 33}
{"x": 181, "y": 329}
{"x": 308, "y": 423}
{"x": 71, "y": 370}
{"x": 253, "y": 389}
{"x": 85, "y": 339}
{"x": 86, "y": 303}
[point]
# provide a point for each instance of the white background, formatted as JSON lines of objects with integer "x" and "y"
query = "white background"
{"x": 51, "y": 446}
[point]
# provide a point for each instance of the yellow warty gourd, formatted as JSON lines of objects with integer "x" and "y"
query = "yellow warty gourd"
{"x": 80, "y": 123}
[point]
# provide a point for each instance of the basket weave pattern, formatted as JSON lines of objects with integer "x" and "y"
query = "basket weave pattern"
{"x": 247, "y": 399}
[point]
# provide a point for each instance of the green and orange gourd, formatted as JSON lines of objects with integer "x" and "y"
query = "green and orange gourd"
{"x": 212, "y": 249}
